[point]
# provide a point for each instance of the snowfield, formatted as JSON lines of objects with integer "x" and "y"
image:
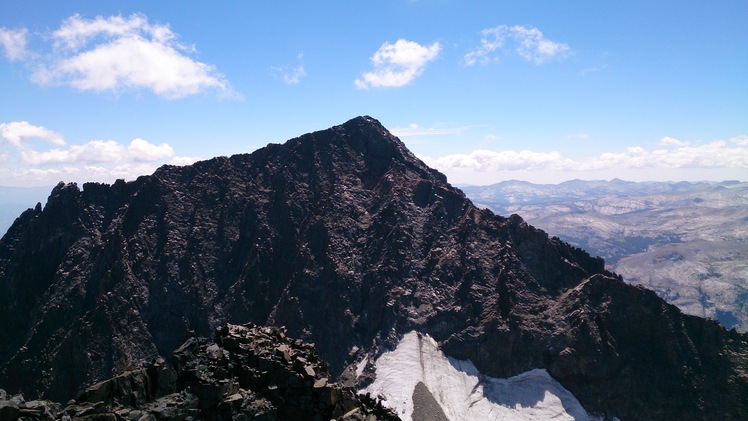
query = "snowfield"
{"x": 461, "y": 391}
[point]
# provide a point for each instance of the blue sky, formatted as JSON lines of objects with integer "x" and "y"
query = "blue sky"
{"x": 484, "y": 91}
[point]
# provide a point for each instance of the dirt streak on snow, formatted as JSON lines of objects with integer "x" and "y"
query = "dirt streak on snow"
{"x": 464, "y": 393}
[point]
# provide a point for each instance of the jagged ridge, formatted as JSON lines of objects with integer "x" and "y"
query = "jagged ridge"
{"x": 348, "y": 240}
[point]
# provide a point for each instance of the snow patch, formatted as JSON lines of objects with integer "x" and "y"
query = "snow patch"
{"x": 462, "y": 391}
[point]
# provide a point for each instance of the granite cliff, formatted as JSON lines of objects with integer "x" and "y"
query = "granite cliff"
{"x": 349, "y": 241}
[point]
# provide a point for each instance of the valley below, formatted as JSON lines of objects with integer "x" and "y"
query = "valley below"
{"x": 685, "y": 241}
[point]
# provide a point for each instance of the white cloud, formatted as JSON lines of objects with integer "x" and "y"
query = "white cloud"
{"x": 126, "y": 171}
{"x": 593, "y": 69}
{"x": 486, "y": 160}
{"x": 491, "y": 138}
{"x": 294, "y": 75}
{"x": 717, "y": 155}
{"x": 291, "y": 75}
{"x": 118, "y": 53}
{"x": 741, "y": 140}
{"x": 141, "y": 150}
{"x": 580, "y": 136}
{"x": 397, "y": 64}
{"x": 78, "y": 174}
{"x": 529, "y": 43}
{"x": 18, "y": 132}
{"x": 533, "y": 47}
{"x": 29, "y": 176}
{"x": 93, "y": 151}
{"x": 414, "y": 130}
{"x": 671, "y": 141}
{"x": 76, "y": 31}
{"x": 97, "y": 160}
{"x": 97, "y": 151}
{"x": 184, "y": 160}
{"x": 14, "y": 43}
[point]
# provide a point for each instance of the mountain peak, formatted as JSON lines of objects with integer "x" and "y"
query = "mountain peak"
{"x": 348, "y": 240}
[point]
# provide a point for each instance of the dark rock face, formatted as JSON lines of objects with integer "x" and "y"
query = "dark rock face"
{"x": 425, "y": 406}
{"x": 348, "y": 240}
{"x": 247, "y": 373}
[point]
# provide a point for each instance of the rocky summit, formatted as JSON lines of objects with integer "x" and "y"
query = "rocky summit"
{"x": 349, "y": 241}
{"x": 247, "y": 373}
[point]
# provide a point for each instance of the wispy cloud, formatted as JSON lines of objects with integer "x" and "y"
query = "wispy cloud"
{"x": 14, "y": 43}
{"x": 115, "y": 54}
{"x": 397, "y": 64}
{"x": 415, "y": 130}
{"x": 578, "y": 136}
{"x": 528, "y": 42}
{"x": 593, "y": 69}
{"x": 291, "y": 75}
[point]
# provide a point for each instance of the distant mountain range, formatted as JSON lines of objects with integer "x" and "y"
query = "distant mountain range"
{"x": 686, "y": 241}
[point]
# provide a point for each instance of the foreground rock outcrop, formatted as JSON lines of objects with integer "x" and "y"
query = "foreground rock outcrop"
{"x": 247, "y": 373}
{"x": 348, "y": 240}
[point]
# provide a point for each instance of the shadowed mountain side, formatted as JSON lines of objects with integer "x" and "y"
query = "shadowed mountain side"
{"x": 348, "y": 240}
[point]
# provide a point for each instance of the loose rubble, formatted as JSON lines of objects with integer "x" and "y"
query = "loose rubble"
{"x": 247, "y": 373}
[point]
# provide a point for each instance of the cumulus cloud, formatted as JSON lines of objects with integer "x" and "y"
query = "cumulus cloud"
{"x": 93, "y": 151}
{"x": 184, "y": 160}
{"x": 119, "y": 53}
{"x": 28, "y": 163}
{"x": 527, "y": 41}
{"x": 18, "y": 132}
{"x": 671, "y": 141}
{"x": 142, "y": 151}
{"x": 79, "y": 174}
{"x": 740, "y": 140}
{"x": 99, "y": 151}
{"x": 14, "y": 43}
{"x": 713, "y": 155}
{"x": 486, "y": 161}
{"x": 397, "y": 64}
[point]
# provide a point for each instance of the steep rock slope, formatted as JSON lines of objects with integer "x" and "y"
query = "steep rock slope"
{"x": 349, "y": 241}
